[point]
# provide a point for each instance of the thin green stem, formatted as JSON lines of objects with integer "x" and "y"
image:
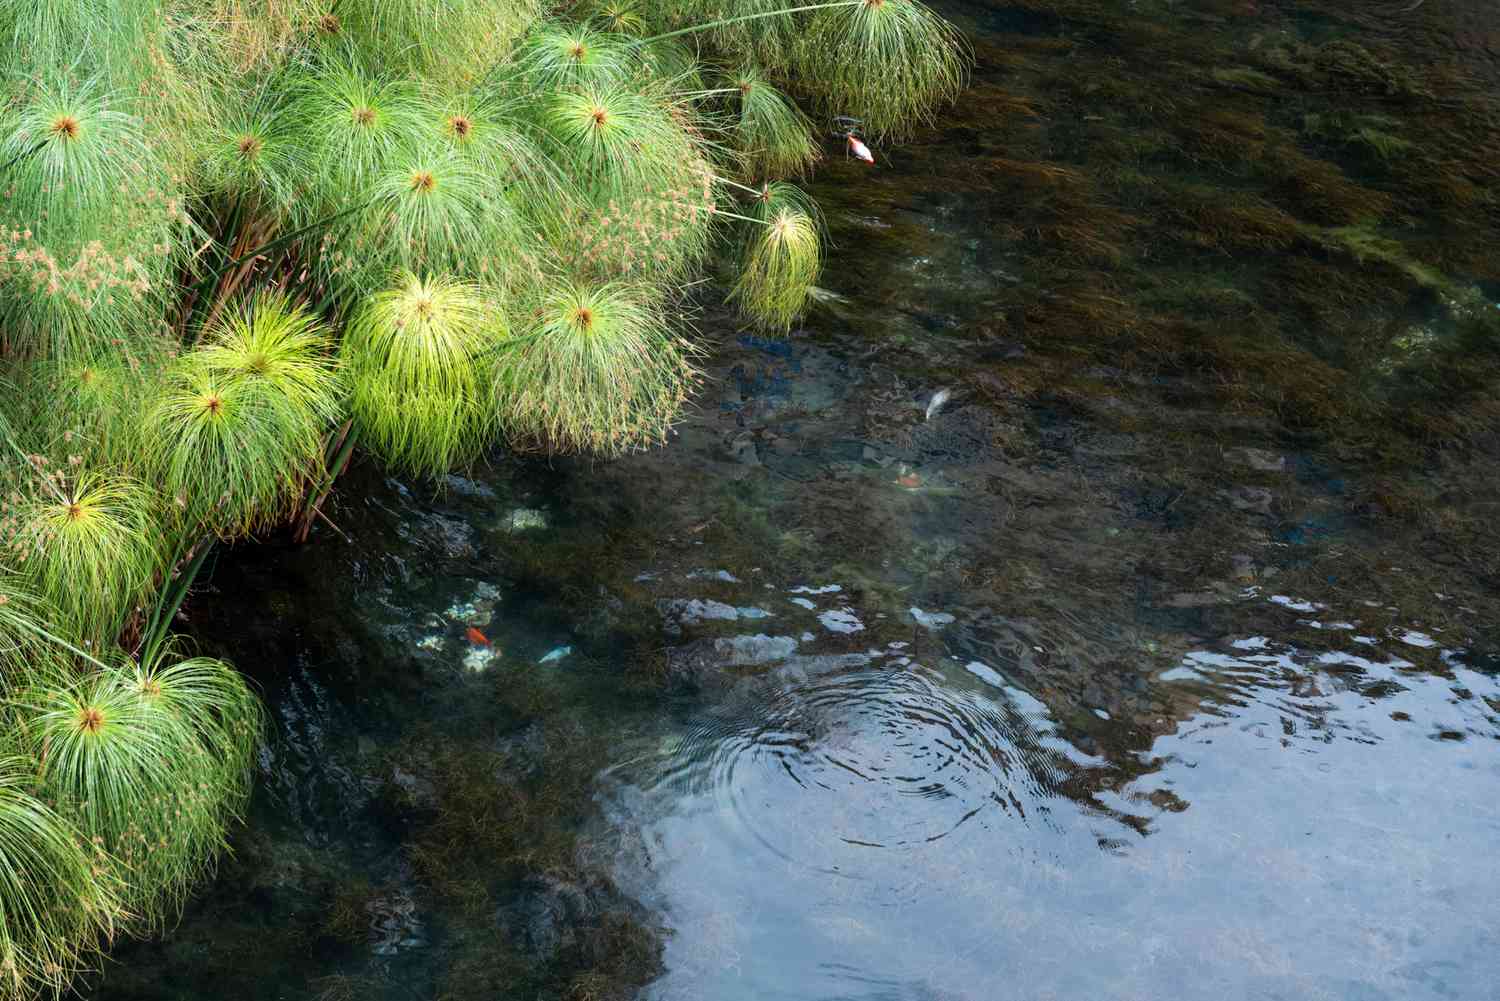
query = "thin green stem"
{"x": 742, "y": 218}
{"x": 171, "y": 600}
{"x": 757, "y": 192}
{"x": 52, "y": 637}
{"x": 693, "y": 94}
{"x": 340, "y": 461}
{"x": 726, "y": 22}
{"x": 21, "y": 156}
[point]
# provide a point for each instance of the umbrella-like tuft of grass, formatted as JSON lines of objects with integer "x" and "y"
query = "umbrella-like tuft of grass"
{"x": 781, "y": 260}
{"x": 598, "y": 369}
{"x": 59, "y": 898}
{"x": 282, "y": 352}
{"x": 561, "y": 56}
{"x": 890, "y": 63}
{"x": 772, "y": 135}
{"x": 89, "y": 543}
{"x": 417, "y": 354}
{"x": 102, "y": 741}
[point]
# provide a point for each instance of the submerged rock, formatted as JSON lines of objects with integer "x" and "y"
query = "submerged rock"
{"x": 931, "y": 620}
{"x": 525, "y": 519}
{"x": 702, "y": 664}
{"x": 479, "y": 609}
{"x": 479, "y": 659}
{"x": 680, "y": 612}
{"x": 841, "y": 620}
{"x": 1257, "y": 459}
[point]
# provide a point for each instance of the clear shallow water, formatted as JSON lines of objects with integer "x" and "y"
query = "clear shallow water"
{"x": 921, "y": 834}
{"x": 1161, "y": 661}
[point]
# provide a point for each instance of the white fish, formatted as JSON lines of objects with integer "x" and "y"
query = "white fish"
{"x": 936, "y": 403}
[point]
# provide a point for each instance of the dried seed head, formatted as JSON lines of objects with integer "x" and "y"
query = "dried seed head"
{"x": 90, "y": 720}
{"x": 249, "y": 146}
{"x": 364, "y": 115}
{"x": 423, "y": 181}
{"x": 65, "y": 126}
{"x": 460, "y": 126}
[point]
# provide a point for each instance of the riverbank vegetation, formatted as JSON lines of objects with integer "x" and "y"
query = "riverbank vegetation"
{"x": 240, "y": 239}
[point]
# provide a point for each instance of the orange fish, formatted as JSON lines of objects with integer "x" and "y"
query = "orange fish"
{"x": 476, "y": 637}
{"x": 859, "y": 150}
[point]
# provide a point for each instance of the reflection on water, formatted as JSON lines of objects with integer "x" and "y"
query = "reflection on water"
{"x": 842, "y": 756}
{"x": 907, "y": 833}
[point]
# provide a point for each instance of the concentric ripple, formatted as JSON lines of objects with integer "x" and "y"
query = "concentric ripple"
{"x": 878, "y": 759}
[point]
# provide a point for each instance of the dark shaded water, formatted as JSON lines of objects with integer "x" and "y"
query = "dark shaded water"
{"x": 1160, "y": 661}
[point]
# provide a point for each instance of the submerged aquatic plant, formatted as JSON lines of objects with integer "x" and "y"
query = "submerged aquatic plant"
{"x": 598, "y": 368}
{"x": 417, "y": 354}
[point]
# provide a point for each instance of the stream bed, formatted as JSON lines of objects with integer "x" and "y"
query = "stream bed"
{"x": 1096, "y": 597}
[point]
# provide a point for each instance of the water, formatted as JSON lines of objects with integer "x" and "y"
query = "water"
{"x": 1160, "y": 660}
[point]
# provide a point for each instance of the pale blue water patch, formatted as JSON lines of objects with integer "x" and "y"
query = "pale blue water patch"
{"x": 927, "y": 832}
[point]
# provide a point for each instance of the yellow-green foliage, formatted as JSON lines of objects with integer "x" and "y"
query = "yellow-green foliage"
{"x": 598, "y": 368}
{"x": 204, "y": 203}
{"x": 417, "y": 354}
{"x": 90, "y": 546}
{"x": 781, "y": 257}
{"x": 102, "y": 740}
{"x": 236, "y": 430}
